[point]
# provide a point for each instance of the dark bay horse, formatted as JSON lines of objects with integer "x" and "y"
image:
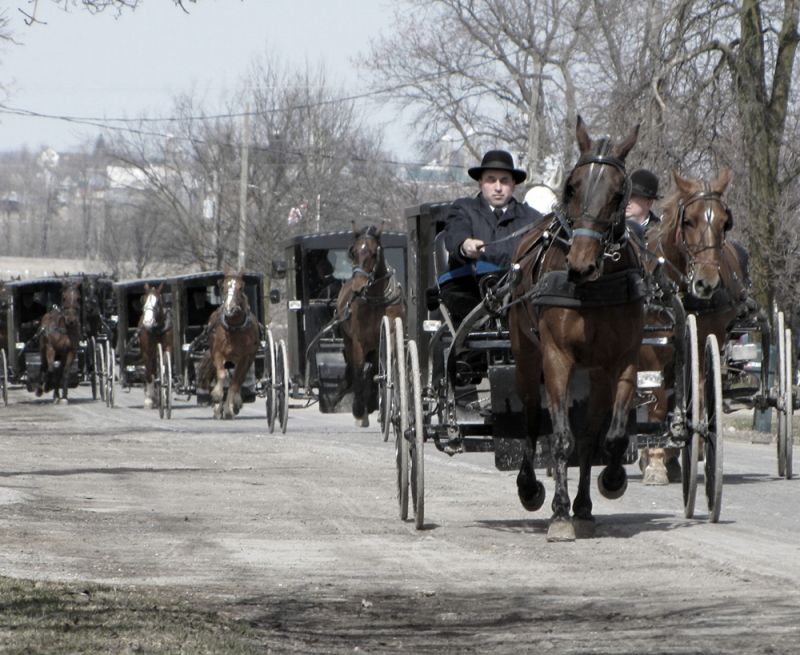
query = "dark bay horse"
{"x": 155, "y": 327}
{"x": 233, "y": 337}
{"x": 708, "y": 272}
{"x": 59, "y": 335}
{"x": 577, "y": 303}
{"x": 370, "y": 294}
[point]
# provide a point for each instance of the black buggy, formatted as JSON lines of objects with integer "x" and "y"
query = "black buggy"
{"x": 316, "y": 266}
{"x": 25, "y": 302}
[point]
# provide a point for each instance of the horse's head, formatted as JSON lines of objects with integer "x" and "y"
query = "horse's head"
{"x": 595, "y": 195}
{"x": 71, "y": 303}
{"x": 366, "y": 256}
{"x": 700, "y": 219}
{"x": 234, "y": 299}
{"x": 153, "y": 311}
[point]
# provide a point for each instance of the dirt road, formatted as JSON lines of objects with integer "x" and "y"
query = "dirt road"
{"x": 299, "y": 533}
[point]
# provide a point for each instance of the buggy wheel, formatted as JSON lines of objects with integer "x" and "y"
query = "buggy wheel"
{"x": 161, "y": 388}
{"x": 100, "y": 366}
{"x": 4, "y": 375}
{"x": 788, "y": 405}
{"x": 385, "y": 378}
{"x": 282, "y": 385}
{"x": 713, "y": 437}
{"x": 167, "y": 383}
{"x": 269, "y": 364}
{"x": 400, "y": 420}
{"x": 415, "y": 434}
{"x": 110, "y": 375}
{"x": 90, "y": 361}
{"x": 783, "y": 409}
{"x": 691, "y": 381}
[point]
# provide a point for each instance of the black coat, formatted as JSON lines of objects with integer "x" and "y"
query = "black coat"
{"x": 474, "y": 218}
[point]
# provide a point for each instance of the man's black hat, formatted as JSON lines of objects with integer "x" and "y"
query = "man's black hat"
{"x": 645, "y": 184}
{"x": 498, "y": 160}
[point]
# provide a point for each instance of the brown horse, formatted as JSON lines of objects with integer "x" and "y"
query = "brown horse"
{"x": 709, "y": 275}
{"x": 370, "y": 294}
{"x": 577, "y": 304}
{"x": 233, "y": 339}
{"x": 155, "y": 327}
{"x": 59, "y": 335}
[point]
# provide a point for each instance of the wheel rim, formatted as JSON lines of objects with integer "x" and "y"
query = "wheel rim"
{"x": 788, "y": 405}
{"x": 283, "y": 385}
{"x": 162, "y": 400}
{"x": 714, "y": 436}
{"x": 100, "y": 364}
{"x": 417, "y": 446}
{"x": 4, "y": 364}
{"x": 271, "y": 408}
{"x": 401, "y": 423}
{"x": 168, "y": 384}
{"x": 690, "y": 453}
{"x": 385, "y": 378}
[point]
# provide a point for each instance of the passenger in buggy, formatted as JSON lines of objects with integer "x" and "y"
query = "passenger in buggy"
{"x": 481, "y": 232}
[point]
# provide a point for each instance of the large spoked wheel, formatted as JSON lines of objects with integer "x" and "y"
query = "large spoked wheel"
{"x": 385, "y": 378}
{"x": 160, "y": 390}
{"x": 787, "y": 404}
{"x": 110, "y": 374}
{"x": 783, "y": 375}
{"x": 713, "y": 437}
{"x": 165, "y": 388}
{"x": 282, "y": 385}
{"x": 690, "y": 452}
{"x": 4, "y": 375}
{"x": 415, "y": 435}
{"x": 400, "y": 422}
{"x": 270, "y": 386}
{"x": 100, "y": 366}
{"x": 94, "y": 374}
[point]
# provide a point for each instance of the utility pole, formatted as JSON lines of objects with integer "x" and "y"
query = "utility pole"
{"x": 243, "y": 184}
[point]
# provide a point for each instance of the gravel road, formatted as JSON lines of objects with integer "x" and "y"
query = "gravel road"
{"x": 299, "y": 532}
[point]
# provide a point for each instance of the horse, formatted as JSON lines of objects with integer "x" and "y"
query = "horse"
{"x": 709, "y": 275}
{"x": 371, "y": 293}
{"x": 155, "y": 327}
{"x": 59, "y": 334}
{"x": 234, "y": 337}
{"x": 577, "y": 302}
{"x": 94, "y": 322}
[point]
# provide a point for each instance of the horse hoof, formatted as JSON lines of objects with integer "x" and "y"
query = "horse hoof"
{"x": 531, "y": 499}
{"x": 584, "y": 528}
{"x": 39, "y": 392}
{"x": 363, "y": 422}
{"x": 148, "y": 403}
{"x": 674, "y": 470}
{"x": 560, "y": 530}
{"x": 612, "y": 489}
{"x": 655, "y": 476}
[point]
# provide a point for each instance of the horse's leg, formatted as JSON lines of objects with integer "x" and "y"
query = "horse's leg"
{"x": 531, "y": 491}
{"x": 68, "y": 359}
{"x": 558, "y": 369}
{"x": 233, "y": 402}
{"x": 359, "y": 387}
{"x": 613, "y": 480}
{"x": 218, "y": 391}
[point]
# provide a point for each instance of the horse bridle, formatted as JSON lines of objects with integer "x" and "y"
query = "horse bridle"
{"x": 615, "y": 229}
{"x": 706, "y": 196}
{"x": 243, "y": 307}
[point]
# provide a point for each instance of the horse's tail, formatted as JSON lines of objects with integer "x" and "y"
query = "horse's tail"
{"x": 205, "y": 371}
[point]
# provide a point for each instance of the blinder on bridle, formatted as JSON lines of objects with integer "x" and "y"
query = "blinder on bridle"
{"x": 601, "y": 156}
{"x": 373, "y": 233}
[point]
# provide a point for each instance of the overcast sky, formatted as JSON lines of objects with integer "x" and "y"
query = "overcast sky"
{"x": 101, "y": 66}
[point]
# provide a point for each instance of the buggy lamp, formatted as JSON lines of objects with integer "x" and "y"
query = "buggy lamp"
{"x": 649, "y": 379}
{"x": 185, "y": 347}
{"x": 114, "y": 317}
{"x": 264, "y": 345}
{"x": 130, "y": 368}
{"x": 431, "y": 325}
{"x": 82, "y": 344}
{"x": 295, "y": 305}
{"x": 20, "y": 345}
{"x": 745, "y": 352}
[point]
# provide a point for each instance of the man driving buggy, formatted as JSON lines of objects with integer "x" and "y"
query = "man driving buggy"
{"x": 482, "y": 232}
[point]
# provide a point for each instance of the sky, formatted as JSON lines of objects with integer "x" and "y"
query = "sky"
{"x": 82, "y": 65}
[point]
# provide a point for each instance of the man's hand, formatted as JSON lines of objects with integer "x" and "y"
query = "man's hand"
{"x": 471, "y": 248}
